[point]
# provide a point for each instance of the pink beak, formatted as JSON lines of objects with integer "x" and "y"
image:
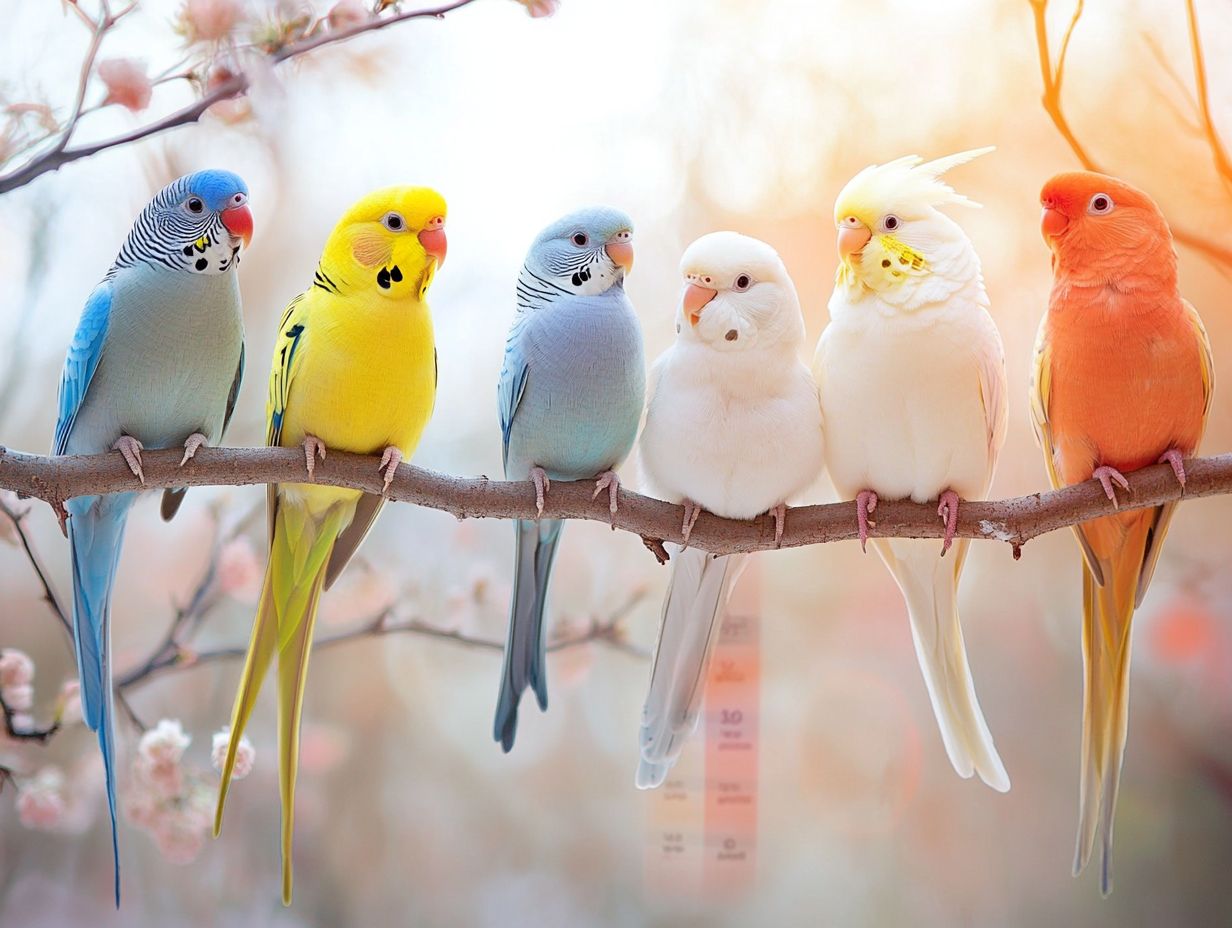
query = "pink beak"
{"x": 851, "y": 239}
{"x": 1053, "y": 222}
{"x": 433, "y": 240}
{"x": 695, "y": 300}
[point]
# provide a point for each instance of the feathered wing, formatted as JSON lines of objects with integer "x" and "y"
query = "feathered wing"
{"x": 692, "y": 616}
{"x": 84, "y": 353}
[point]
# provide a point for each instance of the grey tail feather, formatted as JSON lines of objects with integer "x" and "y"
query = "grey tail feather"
{"x": 171, "y": 503}
{"x": 525, "y": 649}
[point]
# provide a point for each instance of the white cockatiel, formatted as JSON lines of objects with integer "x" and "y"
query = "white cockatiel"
{"x": 733, "y": 426}
{"x": 911, "y": 372}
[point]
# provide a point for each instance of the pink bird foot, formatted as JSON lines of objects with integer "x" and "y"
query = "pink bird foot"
{"x": 389, "y": 464}
{"x": 1174, "y": 457}
{"x": 1107, "y": 476}
{"x": 866, "y": 505}
{"x": 779, "y": 514}
{"x": 192, "y": 444}
{"x": 947, "y": 508}
{"x": 608, "y": 480}
{"x": 313, "y": 448}
{"x": 542, "y": 485}
{"x": 131, "y": 449}
{"x": 691, "y": 512}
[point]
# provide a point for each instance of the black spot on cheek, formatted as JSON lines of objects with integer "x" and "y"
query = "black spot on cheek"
{"x": 382, "y": 279}
{"x": 188, "y": 250}
{"x": 731, "y": 335}
{"x": 201, "y": 264}
{"x": 885, "y": 262}
{"x": 396, "y": 274}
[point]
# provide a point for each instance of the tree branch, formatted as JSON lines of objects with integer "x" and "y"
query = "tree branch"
{"x": 1014, "y": 521}
{"x": 1053, "y": 78}
{"x": 61, "y": 153}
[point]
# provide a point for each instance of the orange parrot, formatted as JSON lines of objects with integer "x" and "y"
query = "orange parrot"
{"x": 1122, "y": 379}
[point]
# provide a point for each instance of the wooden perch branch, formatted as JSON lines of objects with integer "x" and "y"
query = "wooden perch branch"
{"x": 61, "y": 153}
{"x": 1014, "y": 521}
{"x": 1054, "y": 75}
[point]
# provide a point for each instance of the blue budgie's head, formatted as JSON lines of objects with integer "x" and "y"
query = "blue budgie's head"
{"x": 196, "y": 224}
{"x": 585, "y": 252}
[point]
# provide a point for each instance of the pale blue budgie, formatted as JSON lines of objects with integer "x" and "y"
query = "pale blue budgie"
{"x": 571, "y": 393}
{"x": 156, "y": 363}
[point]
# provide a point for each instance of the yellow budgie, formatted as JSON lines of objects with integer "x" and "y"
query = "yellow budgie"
{"x": 354, "y": 370}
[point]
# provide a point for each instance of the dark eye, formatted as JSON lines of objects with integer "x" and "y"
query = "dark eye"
{"x": 393, "y": 222}
{"x": 890, "y": 223}
{"x": 1100, "y": 204}
{"x": 195, "y": 205}
{"x": 580, "y": 239}
{"x": 743, "y": 282}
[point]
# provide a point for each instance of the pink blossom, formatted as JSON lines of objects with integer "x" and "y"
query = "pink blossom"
{"x": 126, "y": 82}
{"x": 209, "y": 20}
{"x": 20, "y": 698}
{"x": 40, "y": 800}
{"x": 538, "y": 8}
{"x": 16, "y": 668}
{"x": 245, "y": 754}
{"x": 239, "y": 573}
{"x": 70, "y": 701}
{"x": 157, "y": 766}
{"x": 347, "y": 14}
{"x": 233, "y": 109}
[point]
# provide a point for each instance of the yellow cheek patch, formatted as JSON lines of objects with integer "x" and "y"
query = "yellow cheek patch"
{"x": 902, "y": 257}
{"x": 371, "y": 249}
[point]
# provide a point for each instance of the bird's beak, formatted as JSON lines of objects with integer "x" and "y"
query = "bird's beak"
{"x": 620, "y": 250}
{"x": 695, "y": 300}
{"x": 1053, "y": 222}
{"x": 238, "y": 221}
{"x": 851, "y": 239}
{"x": 433, "y": 239}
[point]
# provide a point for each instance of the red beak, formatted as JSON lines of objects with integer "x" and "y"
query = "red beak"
{"x": 1052, "y": 222}
{"x": 433, "y": 240}
{"x": 238, "y": 221}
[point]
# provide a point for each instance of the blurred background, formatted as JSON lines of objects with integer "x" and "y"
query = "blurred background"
{"x": 693, "y": 115}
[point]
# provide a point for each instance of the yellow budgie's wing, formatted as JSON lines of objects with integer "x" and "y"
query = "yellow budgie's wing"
{"x": 288, "y": 358}
{"x": 1041, "y": 393}
{"x": 996, "y": 402}
{"x": 1155, "y": 540}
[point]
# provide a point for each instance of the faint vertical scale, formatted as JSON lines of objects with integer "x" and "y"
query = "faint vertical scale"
{"x": 732, "y": 720}
{"x": 675, "y": 828}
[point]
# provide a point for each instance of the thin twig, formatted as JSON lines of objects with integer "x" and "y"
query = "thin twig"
{"x": 63, "y": 154}
{"x": 1218, "y": 152}
{"x": 49, "y": 594}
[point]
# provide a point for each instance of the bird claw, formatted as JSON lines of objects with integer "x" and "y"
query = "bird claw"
{"x": 691, "y": 512}
{"x": 866, "y": 505}
{"x": 1175, "y": 458}
{"x": 608, "y": 480}
{"x": 779, "y": 514}
{"x": 1107, "y": 476}
{"x": 131, "y": 449}
{"x": 192, "y": 445}
{"x": 390, "y": 460}
{"x": 542, "y": 486}
{"x": 947, "y": 508}
{"x": 313, "y": 448}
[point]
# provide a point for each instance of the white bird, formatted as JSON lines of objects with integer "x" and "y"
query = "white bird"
{"x": 733, "y": 426}
{"x": 911, "y": 372}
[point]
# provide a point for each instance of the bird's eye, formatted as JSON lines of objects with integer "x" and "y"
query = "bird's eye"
{"x": 580, "y": 239}
{"x": 890, "y": 223}
{"x": 1100, "y": 204}
{"x": 743, "y": 282}
{"x": 195, "y": 205}
{"x": 393, "y": 222}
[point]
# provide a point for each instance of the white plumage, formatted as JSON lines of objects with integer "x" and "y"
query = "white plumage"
{"x": 733, "y": 425}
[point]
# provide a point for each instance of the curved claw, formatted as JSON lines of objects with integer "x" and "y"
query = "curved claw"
{"x": 542, "y": 485}
{"x": 1177, "y": 460}
{"x": 608, "y": 480}
{"x": 131, "y": 449}
{"x": 1107, "y": 476}
{"x": 390, "y": 460}
{"x": 866, "y": 505}
{"x": 947, "y": 508}
{"x": 691, "y": 512}
{"x": 779, "y": 514}
{"x": 192, "y": 444}
{"x": 313, "y": 448}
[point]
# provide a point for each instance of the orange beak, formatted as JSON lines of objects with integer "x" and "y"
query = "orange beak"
{"x": 695, "y": 300}
{"x": 1053, "y": 222}
{"x": 621, "y": 254}
{"x": 238, "y": 221}
{"x": 433, "y": 240}
{"x": 851, "y": 239}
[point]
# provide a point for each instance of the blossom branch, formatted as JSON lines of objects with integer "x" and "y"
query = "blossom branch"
{"x": 1014, "y": 521}
{"x": 1052, "y": 77}
{"x": 63, "y": 153}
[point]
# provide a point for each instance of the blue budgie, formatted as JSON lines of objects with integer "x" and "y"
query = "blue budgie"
{"x": 571, "y": 393}
{"x": 156, "y": 363}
